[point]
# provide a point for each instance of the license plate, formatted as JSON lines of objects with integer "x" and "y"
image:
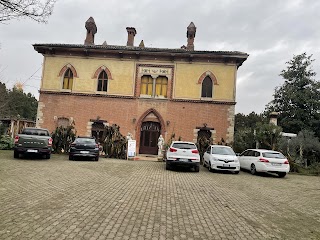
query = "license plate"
{"x": 276, "y": 164}
{"x": 32, "y": 150}
{"x": 183, "y": 160}
{"x": 226, "y": 165}
{"x": 84, "y": 152}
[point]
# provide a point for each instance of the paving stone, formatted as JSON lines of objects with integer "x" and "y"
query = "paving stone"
{"x": 119, "y": 199}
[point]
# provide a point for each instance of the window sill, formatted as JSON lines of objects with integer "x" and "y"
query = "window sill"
{"x": 206, "y": 99}
{"x": 66, "y": 90}
{"x": 101, "y": 92}
{"x": 151, "y": 97}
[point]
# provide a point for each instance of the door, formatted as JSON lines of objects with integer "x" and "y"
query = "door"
{"x": 150, "y": 132}
{"x": 97, "y": 131}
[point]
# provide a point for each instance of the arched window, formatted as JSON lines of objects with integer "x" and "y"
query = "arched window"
{"x": 103, "y": 81}
{"x": 146, "y": 85}
{"x": 206, "y": 91}
{"x": 161, "y": 86}
{"x": 68, "y": 79}
{"x": 63, "y": 122}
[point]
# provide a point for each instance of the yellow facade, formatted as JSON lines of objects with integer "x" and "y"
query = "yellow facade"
{"x": 186, "y": 77}
{"x": 122, "y": 81}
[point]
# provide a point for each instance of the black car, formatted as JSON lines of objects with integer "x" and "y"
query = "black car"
{"x": 84, "y": 147}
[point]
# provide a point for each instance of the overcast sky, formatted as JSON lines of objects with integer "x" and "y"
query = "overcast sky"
{"x": 271, "y": 32}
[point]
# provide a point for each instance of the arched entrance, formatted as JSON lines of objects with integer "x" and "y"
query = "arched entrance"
{"x": 149, "y": 127}
{"x": 149, "y": 134}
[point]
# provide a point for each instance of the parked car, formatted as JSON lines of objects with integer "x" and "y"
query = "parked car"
{"x": 84, "y": 147}
{"x": 218, "y": 157}
{"x": 182, "y": 153}
{"x": 36, "y": 141}
{"x": 261, "y": 160}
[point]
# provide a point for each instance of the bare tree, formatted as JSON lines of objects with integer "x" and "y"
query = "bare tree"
{"x": 37, "y": 10}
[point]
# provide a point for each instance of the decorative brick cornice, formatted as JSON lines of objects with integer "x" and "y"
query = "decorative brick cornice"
{"x": 100, "y": 69}
{"x": 203, "y": 101}
{"x": 85, "y": 94}
{"x": 209, "y": 74}
{"x": 132, "y": 97}
{"x": 64, "y": 69}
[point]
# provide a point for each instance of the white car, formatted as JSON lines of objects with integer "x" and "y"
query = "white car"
{"x": 261, "y": 160}
{"x": 182, "y": 153}
{"x": 218, "y": 157}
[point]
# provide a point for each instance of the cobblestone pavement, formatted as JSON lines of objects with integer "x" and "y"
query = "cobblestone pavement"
{"x": 118, "y": 199}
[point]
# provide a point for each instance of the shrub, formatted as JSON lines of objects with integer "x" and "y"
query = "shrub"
{"x": 114, "y": 143}
{"x": 6, "y": 142}
{"x": 62, "y": 137}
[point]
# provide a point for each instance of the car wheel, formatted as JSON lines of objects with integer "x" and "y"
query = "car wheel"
{"x": 253, "y": 169}
{"x": 96, "y": 158}
{"x": 48, "y": 156}
{"x": 16, "y": 154}
{"x": 168, "y": 167}
{"x": 281, "y": 174}
{"x": 70, "y": 157}
{"x": 236, "y": 172}
{"x": 209, "y": 167}
{"x": 197, "y": 168}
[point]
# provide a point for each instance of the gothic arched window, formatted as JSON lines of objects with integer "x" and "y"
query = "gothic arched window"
{"x": 207, "y": 85}
{"x": 68, "y": 79}
{"x": 103, "y": 81}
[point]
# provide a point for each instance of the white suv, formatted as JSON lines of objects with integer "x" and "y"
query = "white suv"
{"x": 183, "y": 154}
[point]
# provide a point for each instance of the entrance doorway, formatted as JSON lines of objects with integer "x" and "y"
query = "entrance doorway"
{"x": 97, "y": 131}
{"x": 150, "y": 132}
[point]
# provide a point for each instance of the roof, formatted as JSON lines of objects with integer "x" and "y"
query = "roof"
{"x": 216, "y": 145}
{"x": 138, "y": 49}
{"x": 262, "y": 150}
{"x": 133, "y": 52}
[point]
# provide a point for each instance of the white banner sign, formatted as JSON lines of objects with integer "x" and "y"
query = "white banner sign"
{"x": 131, "y": 150}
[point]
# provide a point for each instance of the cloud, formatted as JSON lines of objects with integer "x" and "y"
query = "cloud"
{"x": 270, "y": 31}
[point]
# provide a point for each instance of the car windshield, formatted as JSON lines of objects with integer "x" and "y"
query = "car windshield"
{"x": 273, "y": 155}
{"x": 38, "y": 132}
{"x": 184, "y": 146}
{"x": 223, "y": 151}
{"x": 85, "y": 141}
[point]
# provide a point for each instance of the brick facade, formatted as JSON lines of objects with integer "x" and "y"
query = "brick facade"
{"x": 176, "y": 117}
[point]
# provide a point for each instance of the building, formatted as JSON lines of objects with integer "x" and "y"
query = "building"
{"x": 146, "y": 91}
{"x": 13, "y": 126}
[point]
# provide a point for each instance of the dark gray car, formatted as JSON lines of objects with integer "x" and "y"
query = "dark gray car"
{"x": 84, "y": 147}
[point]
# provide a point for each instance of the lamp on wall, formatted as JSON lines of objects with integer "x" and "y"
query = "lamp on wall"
{"x": 134, "y": 120}
{"x": 168, "y": 122}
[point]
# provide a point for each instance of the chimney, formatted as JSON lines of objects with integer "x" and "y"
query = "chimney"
{"x": 131, "y": 33}
{"x": 91, "y": 31}
{"x": 191, "y": 33}
{"x": 274, "y": 118}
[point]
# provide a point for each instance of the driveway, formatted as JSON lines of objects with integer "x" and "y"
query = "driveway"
{"x": 119, "y": 199}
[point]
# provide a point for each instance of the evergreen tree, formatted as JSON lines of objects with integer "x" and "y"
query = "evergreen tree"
{"x": 298, "y": 99}
{"x": 15, "y": 103}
